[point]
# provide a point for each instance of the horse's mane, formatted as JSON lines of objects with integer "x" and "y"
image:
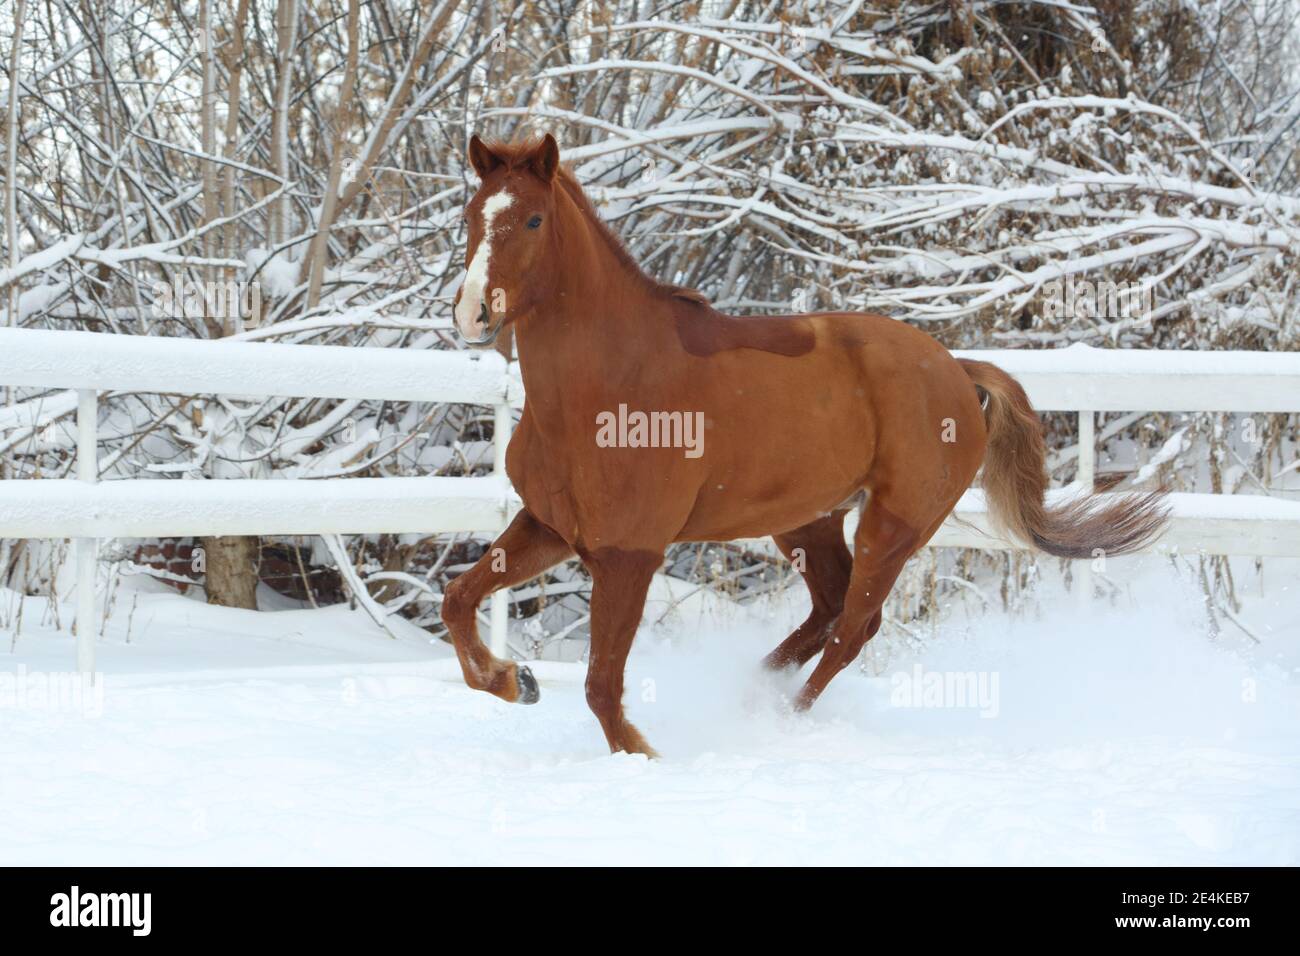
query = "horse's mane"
{"x": 519, "y": 153}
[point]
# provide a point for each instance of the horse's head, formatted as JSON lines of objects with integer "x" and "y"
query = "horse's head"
{"x": 511, "y": 256}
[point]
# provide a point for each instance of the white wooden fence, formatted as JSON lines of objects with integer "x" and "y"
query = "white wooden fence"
{"x": 1077, "y": 379}
{"x": 1086, "y": 381}
{"x": 85, "y": 509}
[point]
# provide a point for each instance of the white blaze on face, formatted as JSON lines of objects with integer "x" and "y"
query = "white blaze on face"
{"x": 476, "y": 275}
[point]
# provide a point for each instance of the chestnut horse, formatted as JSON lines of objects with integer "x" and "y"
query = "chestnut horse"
{"x": 803, "y": 417}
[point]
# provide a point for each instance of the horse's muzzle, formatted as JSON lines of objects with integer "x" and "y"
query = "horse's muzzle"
{"x": 485, "y": 319}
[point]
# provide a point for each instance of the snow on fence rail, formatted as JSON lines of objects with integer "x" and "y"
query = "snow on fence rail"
{"x": 1077, "y": 379}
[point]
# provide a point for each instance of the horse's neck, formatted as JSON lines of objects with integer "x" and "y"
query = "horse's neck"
{"x": 590, "y": 336}
{"x": 600, "y": 332}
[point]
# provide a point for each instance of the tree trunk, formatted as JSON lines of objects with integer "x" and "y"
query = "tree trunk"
{"x": 231, "y": 564}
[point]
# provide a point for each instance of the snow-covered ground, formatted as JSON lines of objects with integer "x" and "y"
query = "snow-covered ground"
{"x": 1116, "y": 734}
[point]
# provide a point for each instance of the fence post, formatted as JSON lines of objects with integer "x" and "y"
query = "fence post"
{"x": 86, "y": 548}
{"x": 1086, "y": 477}
{"x": 500, "y": 599}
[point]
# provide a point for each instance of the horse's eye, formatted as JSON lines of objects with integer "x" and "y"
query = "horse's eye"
{"x": 534, "y": 222}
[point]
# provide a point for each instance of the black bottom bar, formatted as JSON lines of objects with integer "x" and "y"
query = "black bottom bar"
{"x": 303, "y": 906}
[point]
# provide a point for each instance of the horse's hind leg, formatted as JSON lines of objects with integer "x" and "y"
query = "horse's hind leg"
{"x": 883, "y": 542}
{"x": 524, "y": 550}
{"x": 818, "y": 552}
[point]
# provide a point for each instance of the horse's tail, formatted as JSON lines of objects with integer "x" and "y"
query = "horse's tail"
{"x": 1015, "y": 483}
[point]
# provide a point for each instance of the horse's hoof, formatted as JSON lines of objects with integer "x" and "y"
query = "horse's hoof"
{"x": 528, "y": 690}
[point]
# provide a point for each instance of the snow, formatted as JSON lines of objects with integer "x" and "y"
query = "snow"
{"x": 1118, "y": 735}
{"x": 137, "y": 363}
{"x": 144, "y": 507}
{"x": 278, "y": 274}
{"x": 1082, "y": 377}
{"x": 1081, "y": 359}
{"x": 1238, "y": 507}
{"x": 34, "y": 301}
{"x": 1169, "y": 451}
{"x": 37, "y": 412}
{"x": 43, "y": 260}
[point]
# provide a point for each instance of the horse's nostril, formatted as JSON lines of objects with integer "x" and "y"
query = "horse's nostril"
{"x": 483, "y": 318}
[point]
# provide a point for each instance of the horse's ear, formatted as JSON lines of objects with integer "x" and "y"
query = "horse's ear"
{"x": 481, "y": 158}
{"x": 547, "y": 158}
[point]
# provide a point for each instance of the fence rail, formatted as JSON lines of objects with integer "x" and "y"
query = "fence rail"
{"x": 1078, "y": 379}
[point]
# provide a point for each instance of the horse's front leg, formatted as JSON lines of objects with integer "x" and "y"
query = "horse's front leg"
{"x": 619, "y": 582}
{"x": 524, "y": 550}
